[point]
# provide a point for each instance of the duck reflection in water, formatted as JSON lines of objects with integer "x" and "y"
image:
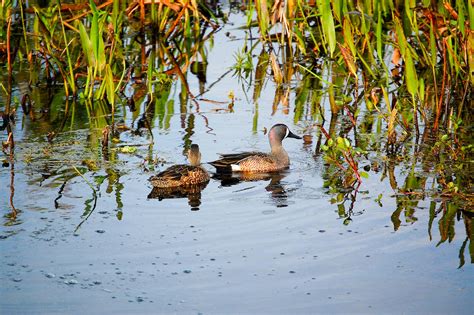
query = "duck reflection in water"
{"x": 279, "y": 194}
{"x": 180, "y": 181}
{"x": 192, "y": 192}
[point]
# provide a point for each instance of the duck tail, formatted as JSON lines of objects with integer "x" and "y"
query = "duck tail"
{"x": 221, "y": 167}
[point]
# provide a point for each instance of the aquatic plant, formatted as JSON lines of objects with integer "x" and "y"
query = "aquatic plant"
{"x": 411, "y": 62}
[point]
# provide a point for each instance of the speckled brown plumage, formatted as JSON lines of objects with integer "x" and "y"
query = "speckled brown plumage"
{"x": 182, "y": 175}
{"x": 276, "y": 160}
{"x": 250, "y": 162}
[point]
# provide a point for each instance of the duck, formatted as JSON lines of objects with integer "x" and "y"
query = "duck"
{"x": 256, "y": 162}
{"x": 182, "y": 174}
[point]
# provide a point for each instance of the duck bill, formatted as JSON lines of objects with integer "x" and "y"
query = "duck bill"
{"x": 292, "y": 135}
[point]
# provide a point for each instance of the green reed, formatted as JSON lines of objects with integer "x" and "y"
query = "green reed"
{"x": 80, "y": 45}
{"x": 409, "y": 61}
{"x": 364, "y": 34}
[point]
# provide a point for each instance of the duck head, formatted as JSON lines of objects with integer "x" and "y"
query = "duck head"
{"x": 194, "y": 156}
{"x": 279, "y": 132}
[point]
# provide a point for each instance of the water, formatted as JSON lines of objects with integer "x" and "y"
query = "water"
{"x": 274, "y": 245}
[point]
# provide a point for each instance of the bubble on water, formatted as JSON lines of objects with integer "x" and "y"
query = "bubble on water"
{"x": 17, "y": 279}
{"x": 139, "y": 299}
{"x": 50, "y": 275}
{"x": 71, "y": 282}
{"x": 97, "y": 282}
{"x": 100, "y": 231}
{"x": 292, "y": 271}
{"x": 187, "y": 271}
{"x": 322, "y": 231}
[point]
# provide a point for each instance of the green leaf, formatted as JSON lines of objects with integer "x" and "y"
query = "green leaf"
{"x": 402, "y": 42}
{"x": 347, "y": 143}
{"x": 327, "y": 21}
{"x": 378, "y": 35}
{"x": 349, "y": 36}
{"x": 128, "y": 149}
{"x": 364, "y": 174}
{"x": 109, "y": 85}
{"x": 86, "y": 45}
{"x": 411, "y": 79}
{"x": 340, "y": 143}
{"x": 433, "y": 49}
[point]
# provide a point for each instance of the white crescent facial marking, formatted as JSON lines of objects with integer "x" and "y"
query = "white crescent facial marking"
{"x": 287, "y": 132}
{"x": 235, "y": 167}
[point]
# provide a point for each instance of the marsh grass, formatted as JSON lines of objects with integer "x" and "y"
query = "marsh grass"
{"x": 409, "y": 62}
{"x": 397, "y": 76}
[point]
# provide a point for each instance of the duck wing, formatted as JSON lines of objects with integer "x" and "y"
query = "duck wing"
{"x": 224, "y": 164}
{"x": 175, "y": 172}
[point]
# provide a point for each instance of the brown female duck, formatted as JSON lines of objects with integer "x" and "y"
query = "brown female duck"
{"x": 182, "y": 175}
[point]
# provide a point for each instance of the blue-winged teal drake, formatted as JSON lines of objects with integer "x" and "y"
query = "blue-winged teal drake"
{"x": 276, "y": 160}
{"x": 182, "y": 175}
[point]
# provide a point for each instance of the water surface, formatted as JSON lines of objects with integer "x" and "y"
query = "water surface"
{"x": 281, "y": 244}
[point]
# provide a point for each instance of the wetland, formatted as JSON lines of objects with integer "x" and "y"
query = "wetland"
{"x": 374, "y": 214}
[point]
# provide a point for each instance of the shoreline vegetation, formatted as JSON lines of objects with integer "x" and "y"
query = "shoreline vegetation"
{"x": 402, "y": 68}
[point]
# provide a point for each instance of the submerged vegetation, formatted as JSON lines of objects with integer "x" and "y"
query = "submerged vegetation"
{"x": 397, "y": 75}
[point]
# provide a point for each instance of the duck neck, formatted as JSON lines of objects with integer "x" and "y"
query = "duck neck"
{"x": 195, "y": 160}
{"x": 279, "y": 153}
